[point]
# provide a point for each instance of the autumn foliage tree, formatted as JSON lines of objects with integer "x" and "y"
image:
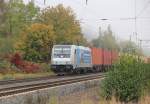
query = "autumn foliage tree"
{"x": 56, "y": 25}
{"x": 38, "y": 40}
{"x": 67, "y": 29}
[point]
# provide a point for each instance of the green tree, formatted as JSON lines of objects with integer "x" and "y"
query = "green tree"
{"x": 37, "y": 42}
{"x": 3, "y": 11}
{"x": 130, "y": 47}
{"x": 128, "y": 80}
{"x": 106, "y": 40}
{"x": 17, "y": 16}
{"x": 67, "y": 29}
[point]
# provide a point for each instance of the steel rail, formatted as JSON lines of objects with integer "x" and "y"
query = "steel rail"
{"x": 12, "y": 81}
{"x": 27, "y": 88}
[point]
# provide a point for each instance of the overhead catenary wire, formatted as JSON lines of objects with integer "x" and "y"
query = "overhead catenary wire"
{"x": 96, "y": 17}
{"x": 91, "y": 11}
{"x": 135, "y": 18}
{"x": 144, "y": 8}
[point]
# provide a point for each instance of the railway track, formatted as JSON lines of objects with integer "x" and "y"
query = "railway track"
{"x": 12, "y": 81}
{"x": 46, "y": 84}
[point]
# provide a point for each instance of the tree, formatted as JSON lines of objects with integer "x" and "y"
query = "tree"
{"x": 126, "y": 82}
{"x": 38, "y": 40}
{"x": 17, "y": 16}
{"x": 130, "y": 47}
{"x": 67, "y": 29}
{"x": 2, "y": 14}
{"x": 2, "y": 9}
{"x": 106, "y": 40}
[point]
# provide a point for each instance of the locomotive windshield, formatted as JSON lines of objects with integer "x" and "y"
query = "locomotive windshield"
{"x": 62, "y": 51}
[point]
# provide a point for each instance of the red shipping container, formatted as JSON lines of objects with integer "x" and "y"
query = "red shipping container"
{"x": 97, "y": 56}
{"x": 105, "y": 56}
{"x": 109, "y": 58}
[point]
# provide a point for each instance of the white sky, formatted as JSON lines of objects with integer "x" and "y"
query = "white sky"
{"x": 91, "y": 14}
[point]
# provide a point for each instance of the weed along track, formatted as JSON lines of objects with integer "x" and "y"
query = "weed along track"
{"x": 46, "y": 84}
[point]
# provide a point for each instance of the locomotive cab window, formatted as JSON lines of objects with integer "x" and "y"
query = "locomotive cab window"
{"x": 62, "y": 52}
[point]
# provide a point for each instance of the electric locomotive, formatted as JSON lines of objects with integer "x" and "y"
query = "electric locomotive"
{"x": 71, "y": 59}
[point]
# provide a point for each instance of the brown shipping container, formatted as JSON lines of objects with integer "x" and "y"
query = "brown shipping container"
{"x": 97, "y": 56}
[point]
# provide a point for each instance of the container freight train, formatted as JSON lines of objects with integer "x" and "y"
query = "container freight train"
{"x": 79, "y": 59}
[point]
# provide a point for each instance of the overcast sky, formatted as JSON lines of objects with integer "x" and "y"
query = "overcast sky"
{"x": 113, "y": 10}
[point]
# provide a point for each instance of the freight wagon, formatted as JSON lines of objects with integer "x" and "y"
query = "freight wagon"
{"x": 80, "y": 59}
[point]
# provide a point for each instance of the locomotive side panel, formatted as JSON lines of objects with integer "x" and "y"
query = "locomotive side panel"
{"x": 83, "y": 57}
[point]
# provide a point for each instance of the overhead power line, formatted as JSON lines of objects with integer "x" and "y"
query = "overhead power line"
{"x": 123, "y": 19}
{"x": 89, "y": 10}
{"x": 144, "y": 8}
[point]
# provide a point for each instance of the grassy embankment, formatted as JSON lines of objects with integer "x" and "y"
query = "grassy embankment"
{"x": 24, "y": 75}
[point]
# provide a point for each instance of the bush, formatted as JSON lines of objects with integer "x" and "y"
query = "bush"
{"x": 30, "y": 67}
{"x": 147, "y": 77}
{"x": 25, "y": 66}
{"x": 4, "y": 66}
{"x": 16, "y": 59}
{"x": 127, "y": 80}
{"x": 45, "y": 67}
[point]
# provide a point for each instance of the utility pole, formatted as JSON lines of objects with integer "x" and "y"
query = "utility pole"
{"x": 135, "y": 25}
{"x": 100, "y": 31}
{"x": 140, "y": 44}
{"x": 130, "y": 38}
{"x": 86, "y": 2}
